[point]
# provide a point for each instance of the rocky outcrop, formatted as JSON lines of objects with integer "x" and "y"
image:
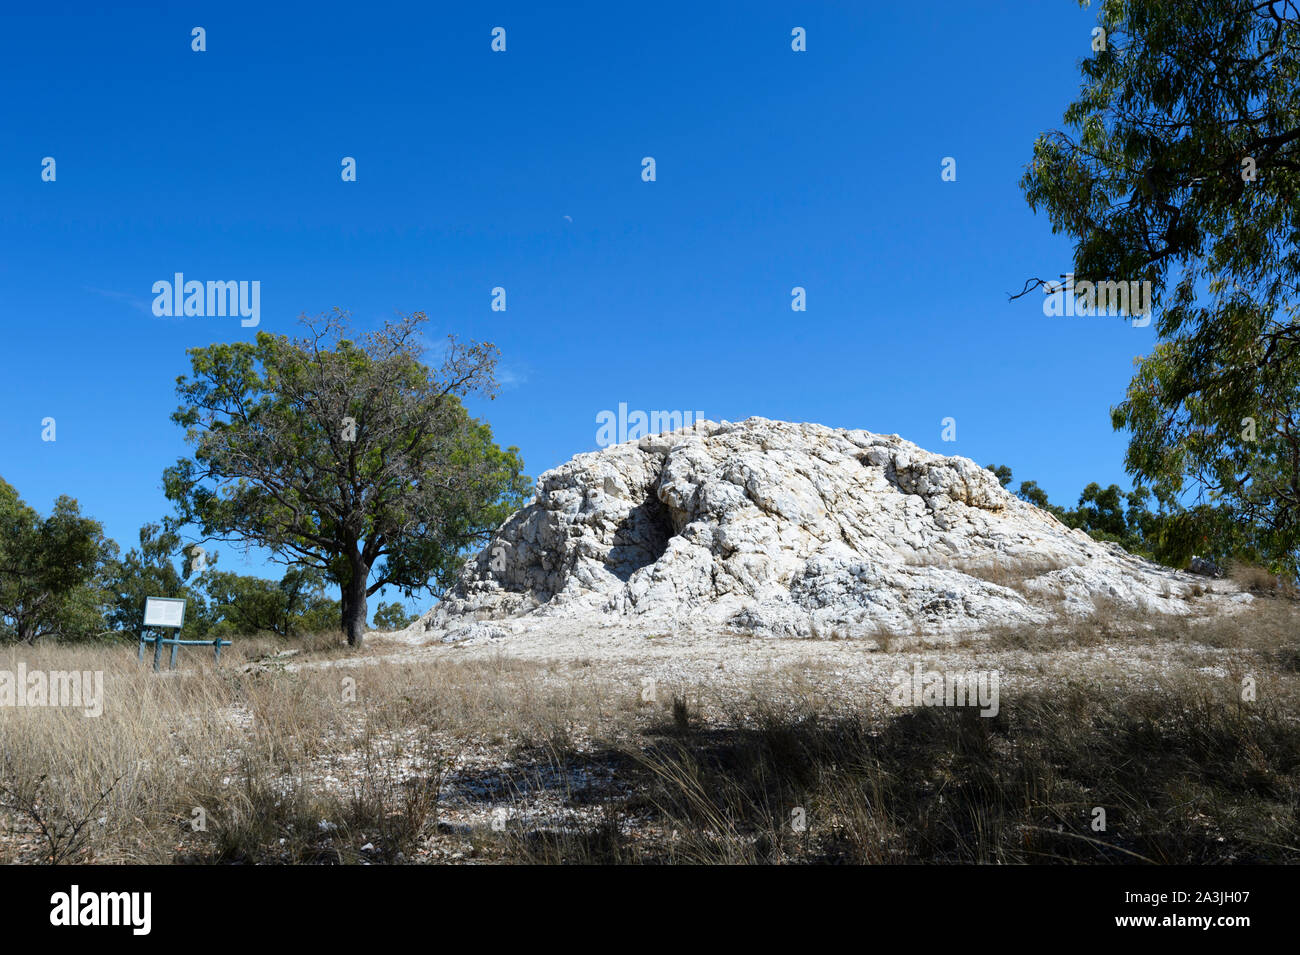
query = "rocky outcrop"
{"x": 788, "y": 529}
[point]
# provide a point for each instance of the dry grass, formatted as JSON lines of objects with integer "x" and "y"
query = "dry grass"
{"x": 1269, "y": 627}
{"x": 1186, "y": 774}
{"x": 1003, "y": 571}
{"x": 1261, "y": 582}
{"x": 353, "y": 758}
{"x": 265, "y": 754}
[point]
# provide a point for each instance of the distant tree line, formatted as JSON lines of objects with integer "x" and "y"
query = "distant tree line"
{"x": 61, "y": 578}
{"x": 1166, "y": 532}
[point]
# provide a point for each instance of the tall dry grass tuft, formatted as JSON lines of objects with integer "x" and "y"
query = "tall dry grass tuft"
{"x": 1004, "y": 571}
{"x": 1258, "y": 580}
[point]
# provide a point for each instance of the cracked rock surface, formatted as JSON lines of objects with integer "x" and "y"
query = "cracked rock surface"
{"x": 785, "y": 529}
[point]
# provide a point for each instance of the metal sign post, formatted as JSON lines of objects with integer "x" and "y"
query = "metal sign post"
{"x": 169, "y": 613}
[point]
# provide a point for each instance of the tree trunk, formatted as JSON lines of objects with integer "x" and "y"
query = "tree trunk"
{"x": 354, "y": 603}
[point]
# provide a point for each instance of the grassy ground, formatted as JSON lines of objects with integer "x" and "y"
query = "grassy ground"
{"x": 326, "y": 756}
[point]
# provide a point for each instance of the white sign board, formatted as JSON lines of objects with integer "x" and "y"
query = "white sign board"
{"x": 163, "y": 612}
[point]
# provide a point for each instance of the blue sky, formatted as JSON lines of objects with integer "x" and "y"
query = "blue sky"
{"x": 522, "y": 169}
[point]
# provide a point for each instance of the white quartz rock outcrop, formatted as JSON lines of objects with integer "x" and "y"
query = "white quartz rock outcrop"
{"x": 788, "y": 529}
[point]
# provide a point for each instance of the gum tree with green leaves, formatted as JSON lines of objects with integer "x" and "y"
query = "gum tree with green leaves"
{"x": 293, "y": 606}
{"x": 1181, "y": 166}
{"x": 351, "y": 458}
{"x": 51, "y": 570}
{"x": 392, "y": 616}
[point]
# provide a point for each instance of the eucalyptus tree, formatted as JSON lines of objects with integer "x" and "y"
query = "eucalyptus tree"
{"x": 352, "y": 458}
{"x": 1180, "y": 166}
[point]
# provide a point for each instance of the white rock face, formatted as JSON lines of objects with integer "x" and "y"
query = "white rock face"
{"x": 787, "y": 530}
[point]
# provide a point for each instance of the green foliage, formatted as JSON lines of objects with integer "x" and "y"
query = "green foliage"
{"x": 355, "y": 460}
{"x": 218, "y": 603}
{"x": 61, "y": 578}
{"x": 1031, "y": 492}
{"x": 297, "y": 605}
{"x": 149, "y": 571}
{"x": 393, "y": 616}
{"x": 51, "y": 570}
{"x": 1122, "y": 517}
{"x": 1155, "y": 184}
